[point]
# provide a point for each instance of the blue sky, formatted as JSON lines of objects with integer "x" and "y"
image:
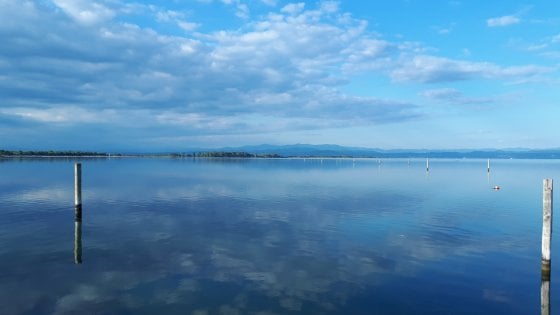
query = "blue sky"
{"x": 112, "y": 75}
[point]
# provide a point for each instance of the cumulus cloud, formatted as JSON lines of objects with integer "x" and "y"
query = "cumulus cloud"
{"x": 289, "y": 66}
{"x": 438, "y": 94}
{"x": 502, "y": 21}
{"x": 84, "y": 11}
{"x": 269, "y": 2}
{"x": 452, "y": 96}
{"x": 430, "y": 69}
{"x": 293, "y": 8}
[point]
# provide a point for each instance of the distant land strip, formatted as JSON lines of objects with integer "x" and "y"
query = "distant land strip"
{"x": 210, "y": 154}
{"x": 50, "y": 153}
{"x": 305, "y": 151}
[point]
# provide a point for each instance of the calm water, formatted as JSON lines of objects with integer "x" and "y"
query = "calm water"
{"x": 165, "y": 236}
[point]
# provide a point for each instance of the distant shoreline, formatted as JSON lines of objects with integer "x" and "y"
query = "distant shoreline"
{"x": 496, "y": 154}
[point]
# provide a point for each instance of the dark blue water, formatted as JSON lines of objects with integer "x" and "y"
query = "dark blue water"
{"x": 174, "y": 236}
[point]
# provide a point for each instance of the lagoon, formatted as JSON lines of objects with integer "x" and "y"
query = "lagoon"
{"x": 274, "y": 236}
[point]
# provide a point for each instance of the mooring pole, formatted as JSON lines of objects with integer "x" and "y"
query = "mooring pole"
{"x": 78, "y": 185}
{"x": 547, "y": 227}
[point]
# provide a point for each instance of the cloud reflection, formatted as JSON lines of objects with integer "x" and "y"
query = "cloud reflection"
{"x": 206, "y": 245}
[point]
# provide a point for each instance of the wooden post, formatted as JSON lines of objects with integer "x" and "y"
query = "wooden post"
{"x": 78, "y": 185}
{"x": 488, "y": 169}
{"x": 547, "y": 228}
{"x": 427, "y": 165}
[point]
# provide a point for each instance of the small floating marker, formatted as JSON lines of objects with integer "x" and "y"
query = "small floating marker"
{"x": 496, "y": 187}
{"x": 488, "y": 166}
{"x": 427, "y": 165}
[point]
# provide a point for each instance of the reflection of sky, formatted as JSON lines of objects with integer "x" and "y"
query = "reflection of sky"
{"x": 273, "y": 237}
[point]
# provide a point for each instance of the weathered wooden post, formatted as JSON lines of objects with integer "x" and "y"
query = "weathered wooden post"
{"x": 78, "y": 213}
{"x": 78, "y": 185}
{"x": 547, "y": 227}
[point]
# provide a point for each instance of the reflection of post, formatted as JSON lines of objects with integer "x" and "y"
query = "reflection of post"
{"x": 78, "y": 213}
{"x": 545, "y": 296}
{"x": 547, "y": 227}
{"x": 78, "y": 242}
{"x": 78, "y": 185}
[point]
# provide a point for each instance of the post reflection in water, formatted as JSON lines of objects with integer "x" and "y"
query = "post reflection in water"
{"x": 545, "y": 297}
{"x": 78, "y": 236}
{"x": 545, "y": 289}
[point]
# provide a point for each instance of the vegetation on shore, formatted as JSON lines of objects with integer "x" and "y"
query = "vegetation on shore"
{"x": 7, "y": 153}
{"x": 215, "y": 154}
{"x": 304, "y": 151}
{"x": 224, "y": 154}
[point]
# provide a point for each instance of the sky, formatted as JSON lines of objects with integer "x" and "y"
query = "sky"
{"x": 115, "y": 75}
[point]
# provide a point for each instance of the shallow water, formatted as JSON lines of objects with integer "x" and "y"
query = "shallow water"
{"x": 266, "y": 236}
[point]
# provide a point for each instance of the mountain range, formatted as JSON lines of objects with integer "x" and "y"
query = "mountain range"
{"x": 331, "y": 150}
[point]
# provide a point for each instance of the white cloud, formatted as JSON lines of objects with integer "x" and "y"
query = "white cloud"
{"x": 293, "y": 8}
{"x": 329, "y": 6}
{"x": 270, "y": 2}
{"x": 188, "y": 26}
{"x": 242, "y": 11}
{"x": 84, "y": 11}
{"x": 288, "y": 66}
{"x": 444, "y": 93}
{"x": 502, "y": 21}
{"x": 168, "y": 15}
{"x": 61, "y": 114}
{"x": 430, "y": 69}
{"x": 452, "y": 96}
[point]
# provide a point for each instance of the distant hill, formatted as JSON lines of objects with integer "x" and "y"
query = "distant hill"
{"x": 308, "y": 150}
{"x": 330, "y": 150}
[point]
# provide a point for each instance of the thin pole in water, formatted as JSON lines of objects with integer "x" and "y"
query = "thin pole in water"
{"x": 488, "y": 166}
{"x": 78, "y": 185}
{"x": 547, "y": 227}
{"x": 427, "y": 165}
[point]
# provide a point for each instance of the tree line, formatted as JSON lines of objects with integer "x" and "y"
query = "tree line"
{"x": 51, "y": 153}
{"x": 225, "y": 154}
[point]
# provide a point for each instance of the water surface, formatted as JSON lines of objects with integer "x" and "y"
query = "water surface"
{"x": 273, "y": 236}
